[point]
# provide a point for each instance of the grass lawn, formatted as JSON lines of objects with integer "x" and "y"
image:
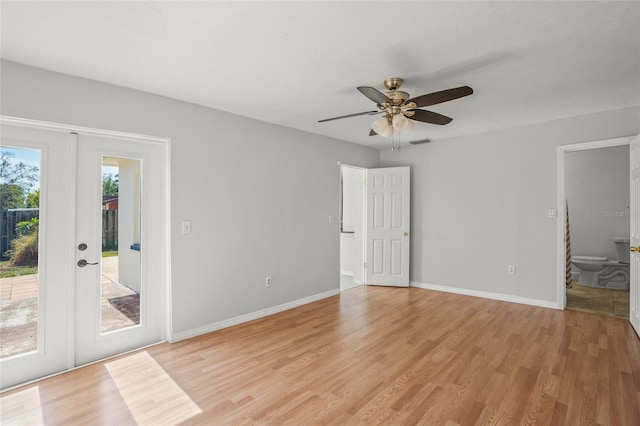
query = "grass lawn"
{"x": 8, "y": 271}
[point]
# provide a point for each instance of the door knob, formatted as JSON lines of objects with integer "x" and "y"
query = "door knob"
{"x": 635, "y": 248}
{"x": 406, "y": 234}
{"x": 82, "y": 263}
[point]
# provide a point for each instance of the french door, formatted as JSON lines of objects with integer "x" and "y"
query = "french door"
{"x": 100, "y": 275}
{"x": 35, "y": 307}
{"x": 118, "y": 302}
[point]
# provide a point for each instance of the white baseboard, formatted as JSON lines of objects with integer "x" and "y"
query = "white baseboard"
{"x": 487, "y": 295}
{"x": 349, "y": 273}
{"x": 182, "y": 335}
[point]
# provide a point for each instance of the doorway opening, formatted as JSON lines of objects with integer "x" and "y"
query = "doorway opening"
{"x": 352, "y": 223}
{"x": 594, "y": 197}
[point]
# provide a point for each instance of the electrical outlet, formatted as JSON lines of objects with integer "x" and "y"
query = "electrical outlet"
{"x": 268, "y": 282}
{"x": 511, "y": 270}
{"x": 186, "y": 227}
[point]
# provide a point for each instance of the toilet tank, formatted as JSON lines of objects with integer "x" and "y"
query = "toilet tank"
{"x": 622, "y": 249}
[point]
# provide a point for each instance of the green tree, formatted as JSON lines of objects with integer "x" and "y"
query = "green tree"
{"x": 16, "y": 178}
{"x": 110, "y": 184}
{"x": 11, "y": 196}
{"x": 33, "y": 199}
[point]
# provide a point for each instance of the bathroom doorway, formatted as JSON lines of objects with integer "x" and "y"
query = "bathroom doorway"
{"x": 351, "y": 227}
{"x": 596, "y": 223}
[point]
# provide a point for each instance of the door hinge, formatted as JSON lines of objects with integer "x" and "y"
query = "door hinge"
{"x": 365, "y": 182}
{"x": 365, "y": 265}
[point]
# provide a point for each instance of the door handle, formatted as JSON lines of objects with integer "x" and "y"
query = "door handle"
{"x": 82, "y": 263}
{"x": 635, "y": 248}
{"x": 406, "y": 234}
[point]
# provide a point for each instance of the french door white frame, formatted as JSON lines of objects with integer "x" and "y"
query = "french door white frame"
{"x": 166, "y": 290}
{"x": 561, "y": 207}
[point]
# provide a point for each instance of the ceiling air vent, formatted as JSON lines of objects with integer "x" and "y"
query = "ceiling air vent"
{"x": 420, "y": 142}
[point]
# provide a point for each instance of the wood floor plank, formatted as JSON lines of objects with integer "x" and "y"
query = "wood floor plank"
{"x": 372, "y": 355}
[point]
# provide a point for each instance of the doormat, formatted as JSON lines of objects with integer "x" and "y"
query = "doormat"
{"x": 128, "y": 305}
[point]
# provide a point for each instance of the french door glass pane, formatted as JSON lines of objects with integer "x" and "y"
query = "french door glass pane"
{"x": 120, "y": 265}
{"x": 19, "y": 230}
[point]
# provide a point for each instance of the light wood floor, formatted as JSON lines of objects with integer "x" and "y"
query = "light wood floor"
{"x": 370, "y": 355}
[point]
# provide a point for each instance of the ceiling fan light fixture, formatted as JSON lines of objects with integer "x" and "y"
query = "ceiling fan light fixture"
{"x": 382, "y": 127}
{"x": 401, "y": 123}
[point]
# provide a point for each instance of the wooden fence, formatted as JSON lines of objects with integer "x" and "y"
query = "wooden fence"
{"x": 109, "y": 230}
{"x": 10, "y": 218}
{"x": 8, "y": 221}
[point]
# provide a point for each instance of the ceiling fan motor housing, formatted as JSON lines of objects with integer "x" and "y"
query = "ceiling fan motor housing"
{"x": 397, "y": 96}
{"x": 393, "y": 83}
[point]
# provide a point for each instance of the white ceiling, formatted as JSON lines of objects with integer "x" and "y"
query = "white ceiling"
{"x": 293, "y": 63}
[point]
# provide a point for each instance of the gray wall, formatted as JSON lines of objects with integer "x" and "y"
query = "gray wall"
{"x": 597, "y": 190}
{"x": 258, "y": 195}
{"x": 479, "y": 203}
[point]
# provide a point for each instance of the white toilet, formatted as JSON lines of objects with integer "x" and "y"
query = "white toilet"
{"x": 603, "y": 273}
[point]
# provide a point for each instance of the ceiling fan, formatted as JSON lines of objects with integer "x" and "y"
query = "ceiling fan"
{"x": 398, "y": 108}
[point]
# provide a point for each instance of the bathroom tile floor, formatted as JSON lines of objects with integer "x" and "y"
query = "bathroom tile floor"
{"x": 612, "y": 303}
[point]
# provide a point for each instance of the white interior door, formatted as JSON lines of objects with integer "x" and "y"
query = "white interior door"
{"x": 634, "y": 297}
{"x": 119, "y": 298}
{"x": 34, "y": 306}
{"x": 387, "y": 230}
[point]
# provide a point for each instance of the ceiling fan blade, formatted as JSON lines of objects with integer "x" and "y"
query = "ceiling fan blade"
{"x": 374, "y": 94}
{"x": 350, "y": 115}
{"x": 442, "y": 96}
{"x": 372, "y": 133}
{"x": 430, "y": 117}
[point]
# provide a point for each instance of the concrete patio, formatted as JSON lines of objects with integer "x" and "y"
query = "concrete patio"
{"x": 19, "y": 308}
